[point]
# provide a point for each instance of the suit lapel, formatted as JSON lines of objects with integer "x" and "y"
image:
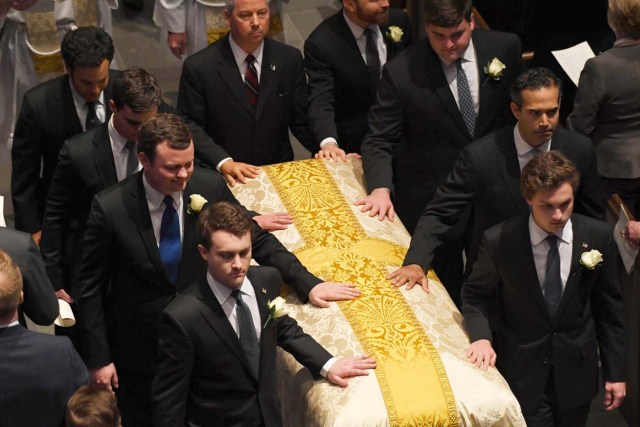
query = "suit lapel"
{"x": 580, "y": 236}
{"x": 103, "y": 156}
{"x": 68, "y": 113}
{"x": 269, "y": 76}
{"x": 190, "y": 258}
{"x": 510, "y": 168}
{"x": 490, "y": 97}
{"x": 228, "y": 71}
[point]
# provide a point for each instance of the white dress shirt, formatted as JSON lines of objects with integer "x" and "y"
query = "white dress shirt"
{"x": 156, "y": 208}
{"x": 540, "y": 248}
{"x": 82, "y": 109}
{"x": 14, "y": 323}
{"x": 470, "y": 67}
{"x": 526, "y": 151}
{"x": 119, "y": 150}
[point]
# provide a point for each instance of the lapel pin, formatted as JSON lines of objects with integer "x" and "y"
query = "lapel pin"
{"x": 273, "y": 67}
{"x": 264, "y": 291}
{"x": 584, "y": 245}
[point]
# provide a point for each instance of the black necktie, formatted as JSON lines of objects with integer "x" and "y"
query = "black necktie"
{"x": 552, "y": 281}
{"x": 92, "y": 120}
{"x": 464, "y": 98}
{"x": 373, "y": 60}
{"x": 170, "y": 244}
{"x": 132, "y": 158}
{"x": 251, "y": 81}
{"x": 247, "y": 332}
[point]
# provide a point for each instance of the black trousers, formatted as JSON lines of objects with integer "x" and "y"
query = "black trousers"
{"x": 134, "y": 398}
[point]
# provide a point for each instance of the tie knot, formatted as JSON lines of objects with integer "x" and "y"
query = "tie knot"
{"x": 236, "y": 295}
{"x": 552, "y": 239}
{"x": 168, "y": 201}
{"x": 250, "y": 59}
{"x": 130, "y": 146}
{"x": 459, "y": 63}
{"x": 91, "y": 105}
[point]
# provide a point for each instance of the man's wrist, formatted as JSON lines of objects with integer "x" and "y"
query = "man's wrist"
{"x": 327, "y": 366}
{"x": 223, "y": 161}
{"x": 328, "y": 141}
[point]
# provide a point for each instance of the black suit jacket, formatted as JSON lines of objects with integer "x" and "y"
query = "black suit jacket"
{"x": 48, "y": 118}
{"x": 203, "y": 377}
{"x": 340, "y": 91}
{"x": 213, "y": 94}
{"x": 122, "y": 283}
{"x": 528, "y": 341}
{"x": 415, "y": 127}
{"x": 38, "y": 373}
{"x": 40, "y": 302}
{"x": 487, "y": 176}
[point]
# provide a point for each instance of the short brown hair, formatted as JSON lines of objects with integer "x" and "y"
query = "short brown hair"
{"x": 92, "y": 406}
{"x": 10, "y": 285}
{"x": 163, "y": 127}
{"x": 447, "y": 13}
{"x": 547, "y": 171}
{"x": 223, "y": 216}
{"x": 136, "y": 88}
{"x": 624, "y": 16}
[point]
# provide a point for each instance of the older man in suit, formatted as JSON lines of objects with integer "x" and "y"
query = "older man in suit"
{"x": 343, "y": 58}
{"x": 139, "y": 252}
{"x": 217, "y": 363}
{"x": 558, "y": 298}
{"x": 38, "y": 372}
{"x": 53, "y": 112}
{"x": 487, "y": 175}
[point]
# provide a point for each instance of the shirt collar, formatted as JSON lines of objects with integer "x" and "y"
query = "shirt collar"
{"x": 523, "y": 147}
{"x": 240, "y": 55}
{"x": 14, "y": 323}
{"x": 356, "y": 29}
{"x": 79, "y": 101}
{"x": 155, "y": 197}
{"x": 222, "y": 292}
{"x": 538, "y": 234}
{"x": 118, "y": 140}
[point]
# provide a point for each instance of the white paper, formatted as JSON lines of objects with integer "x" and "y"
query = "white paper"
{"x": 3, "y": 223}
{"x": 628, "y": 252}
{"x": 572, "y": 59}
{"x": 66, "y": 318}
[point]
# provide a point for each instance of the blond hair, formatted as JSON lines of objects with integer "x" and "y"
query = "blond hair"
{"x": 624, "y": 16}
{"x": 10, "y": 285}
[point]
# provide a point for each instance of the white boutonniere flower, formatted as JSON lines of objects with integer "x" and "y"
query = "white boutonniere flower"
{"x": 591, "y": 259}
{"x": 495, "y": 69}
{"x": 196, "y": 203}
{"x": 395, "y": 34}
{"x": 276, "y": 309}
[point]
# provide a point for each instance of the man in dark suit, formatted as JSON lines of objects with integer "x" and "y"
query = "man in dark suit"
{"x": 53, "y": 112}
{"x": 217, "y": 362}
{"x": 247, "y": 91}
{"x": 487, "y": 176}
{"x": 337, "y": 57}
{"x": 417, "y": 126}
{"x": 139, "y": 252}
{"x": 40, "y": 302}
{"x": 559, "y": 301}
{"x": 38, "y": 372}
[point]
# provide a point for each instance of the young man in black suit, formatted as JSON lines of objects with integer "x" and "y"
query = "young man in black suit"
{"x": 53, "y": 112}
{"x": 217, "y": 359}
{"x": 486, "y": 175}
{"x": 417, "y": 126}
{"x": 555, "y": 277}
{"x": 140, "y": 251}
{"x": 343, "y": 76}
{"x": 38, "y": 372}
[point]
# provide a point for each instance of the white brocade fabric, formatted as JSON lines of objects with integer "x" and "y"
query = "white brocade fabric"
{"x": 482, "y": 398}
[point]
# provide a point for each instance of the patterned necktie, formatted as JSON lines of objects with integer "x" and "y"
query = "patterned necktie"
{"x": 170, "y": 240}
{"x": 92, "y": 120}
{"x": 373, "y": 60}
{"x": 464, "y": 98}
{"x": 251, "y": 81}
{"x": 247, "y": 333}
{"x": 552, "y": 281}
{"x": 132, "y": 158}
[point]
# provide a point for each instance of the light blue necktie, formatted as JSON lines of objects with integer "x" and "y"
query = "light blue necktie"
{"x": 170, "y": 240}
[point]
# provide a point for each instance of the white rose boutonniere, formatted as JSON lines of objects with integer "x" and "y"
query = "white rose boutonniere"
{"x": 395, "y": 34}
{"x": 196, "y": 203}
{"x": 591, "y": 259}
{"x": 276, "y": 309}
{"x": 494, "y": 69}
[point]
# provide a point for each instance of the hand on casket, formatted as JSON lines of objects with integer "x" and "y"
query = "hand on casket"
{"x": 232, "y": 171}
{"x": 481, "y": 354}
{"x": 410, "y": 275}
{"x": 324, "y": 292}
{"x": 378, "y": 203}
{"x": 347, "y": 367}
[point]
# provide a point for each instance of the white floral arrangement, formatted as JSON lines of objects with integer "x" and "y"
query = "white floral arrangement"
{"x": 591, "y": 259}
{"x": 196, "y": 202}
{"x": 495, "y": 69}
{"x": 276, "y": 309}
{"x": 395, "y": 34}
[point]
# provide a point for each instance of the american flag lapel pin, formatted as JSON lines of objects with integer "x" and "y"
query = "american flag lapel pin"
{"x": 264, "y": 291}
{"x": 584, "y": 245}
{"x": 273, "y": 67}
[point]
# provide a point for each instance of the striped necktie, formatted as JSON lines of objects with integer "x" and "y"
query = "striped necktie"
{"x": 251, "y": 81}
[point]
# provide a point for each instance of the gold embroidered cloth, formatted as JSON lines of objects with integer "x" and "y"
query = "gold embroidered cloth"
{"x": 423, "y": 377}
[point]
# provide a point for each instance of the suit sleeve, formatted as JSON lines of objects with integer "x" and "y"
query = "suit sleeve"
{"x": 478, "y": 290}
{"x": 300, "y": 345}
{"x": 190, "y": 95}
{"x": 299, "y": 124}
{"x": 40, "y": 302}
{"x": 386, "y": 119}
{"x": 442, "y": 213}
{"x": 171, "y": 383}
{"x": 26, "y": 157}
{"x": 591, "y": 200}
{"x": 606, "y": 300}
{"x": 77, "y": 374}
{"x": 93, "y": 278}
{"x": 321, "y": 91}
{"x": 56, "y": 216}
{"x": 588, "y": 100}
